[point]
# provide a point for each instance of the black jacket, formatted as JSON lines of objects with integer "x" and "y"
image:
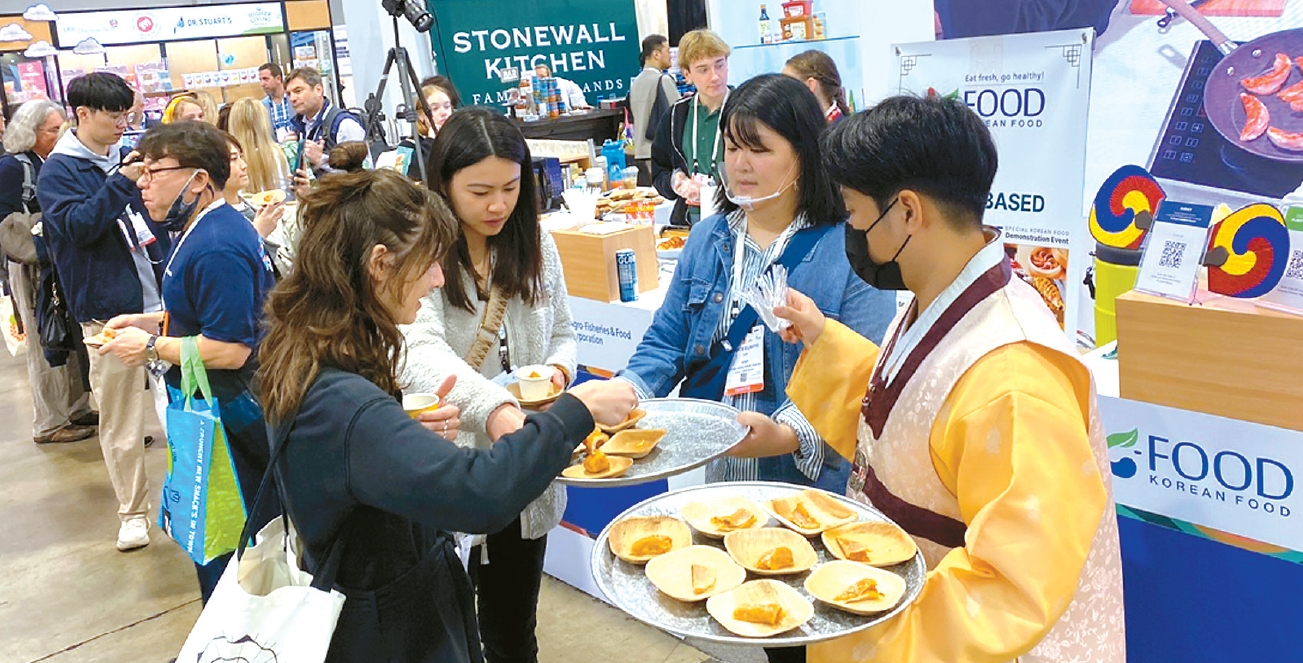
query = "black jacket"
{"x": 357, "y": 466}
{"x": 667, "y": 157}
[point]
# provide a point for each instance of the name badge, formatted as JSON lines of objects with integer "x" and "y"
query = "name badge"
{"x": 747, "y": 373}
{"x": 138, "y": 234}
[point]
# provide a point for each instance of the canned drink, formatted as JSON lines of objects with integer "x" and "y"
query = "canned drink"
{"x": 626, "y": 269}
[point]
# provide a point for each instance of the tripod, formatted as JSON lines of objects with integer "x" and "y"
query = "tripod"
{"x": 408, "y": 82}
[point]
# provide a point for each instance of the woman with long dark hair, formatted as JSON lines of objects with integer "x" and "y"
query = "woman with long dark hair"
{"x": 504, "y": 306}
{"x": 354, "y": 466}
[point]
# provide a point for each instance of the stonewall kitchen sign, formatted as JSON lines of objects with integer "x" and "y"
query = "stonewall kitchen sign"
{"x": 591, "y": 42}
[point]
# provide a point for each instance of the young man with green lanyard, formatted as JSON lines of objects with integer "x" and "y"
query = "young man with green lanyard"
{"x": 688, "y": 147}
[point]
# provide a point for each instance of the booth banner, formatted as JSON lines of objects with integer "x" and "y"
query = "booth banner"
{"x": 608, "y": 333}
{"x": 1231, "y": 476}
{"x": 1033, "y": 93}
{"x": 593, "y": 43}
{"x": 137, "y": 26}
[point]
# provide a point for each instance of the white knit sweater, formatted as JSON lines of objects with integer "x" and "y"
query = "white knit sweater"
{"x": 541, "y": 334}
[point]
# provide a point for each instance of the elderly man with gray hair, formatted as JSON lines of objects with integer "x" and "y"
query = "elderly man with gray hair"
{"x": 60, "y": 403}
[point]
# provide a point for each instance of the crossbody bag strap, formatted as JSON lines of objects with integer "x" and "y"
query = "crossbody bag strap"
{"x": 495, "y": 313}
{"x": 29, "y": 181}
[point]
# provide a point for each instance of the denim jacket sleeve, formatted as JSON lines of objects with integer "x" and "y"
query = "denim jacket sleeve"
{"x": 658, "y": 364}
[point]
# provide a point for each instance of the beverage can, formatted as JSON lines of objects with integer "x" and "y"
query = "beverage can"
{"x": 626, "y": 270}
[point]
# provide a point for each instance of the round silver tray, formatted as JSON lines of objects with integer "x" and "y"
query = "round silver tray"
{"x": 629, "y": 589}
{"x": 697, "y": 432}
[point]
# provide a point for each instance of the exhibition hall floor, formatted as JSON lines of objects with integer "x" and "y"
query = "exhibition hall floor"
{"x": 68, "y": 596}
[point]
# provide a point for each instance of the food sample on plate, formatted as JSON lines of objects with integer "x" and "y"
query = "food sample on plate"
{"x": 771, "y": 551}
{"x": 760, "y": 609}
{"x": 1285, "y": 140}
{"x": 630, "y": 421}
{"x": 855, "y": 588}
{"x": 595, "y": 440}
{"x": 268, "y": 197}
{"x": 1272, "y": 80}
{"x": 695, "y": 573}
{"x": 639, "y": 539}
{"x": 810, "y": 512}
{"x": 874, "y": 543}
{"x": 719, "y": 517}
{"x": 634, "y": 443}
{"x": 596, "y": 462}
{"x": 778, "y": 559}
{"x": 671, "y": 244}
{"x": 101, "y": 339}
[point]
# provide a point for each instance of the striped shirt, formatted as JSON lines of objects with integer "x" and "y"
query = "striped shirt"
{"x": 755, "y": 262}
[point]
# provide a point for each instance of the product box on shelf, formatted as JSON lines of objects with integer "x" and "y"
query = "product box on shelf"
{"x": 1221, "y": 356}
{"x": 589, "y": 260}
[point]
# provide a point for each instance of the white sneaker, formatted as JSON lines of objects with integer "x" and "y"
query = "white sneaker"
{"x": 134, "y": 533}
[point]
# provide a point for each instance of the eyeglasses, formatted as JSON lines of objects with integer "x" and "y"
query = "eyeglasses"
{"x": 149, "y": 173}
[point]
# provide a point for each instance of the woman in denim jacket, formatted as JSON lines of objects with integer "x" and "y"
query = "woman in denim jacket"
{"x": 776, "y": 195}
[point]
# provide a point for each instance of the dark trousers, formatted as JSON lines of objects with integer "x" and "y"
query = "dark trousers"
{"x": 785, "y": 654}
{"x": 506, "y": 590}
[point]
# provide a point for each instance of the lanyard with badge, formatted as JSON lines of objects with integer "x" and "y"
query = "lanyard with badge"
{"x": 167, "y": 270}
{"x": 746, "y": 375}
{"x": 706, "y": 180}
{"x": 138, "y": 234}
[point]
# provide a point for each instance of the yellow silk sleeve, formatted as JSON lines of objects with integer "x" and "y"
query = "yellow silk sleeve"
{"x": 829, "y": 382}
{"x": 1012, "y": 444}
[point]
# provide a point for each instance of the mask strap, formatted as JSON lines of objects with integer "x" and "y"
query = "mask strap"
{"x": 902, "y": 248}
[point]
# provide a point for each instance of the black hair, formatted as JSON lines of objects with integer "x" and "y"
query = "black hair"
{"x": 101, "y": 91}
{"x": 932, "y": 145}
{"x": 470, "y": 136}
{"x": 274, "y": 68}
{"x": 194, "y": 145}
{"x": 791, "y": 110}
{"x": 444, "y": 83}
{"x": 649, "y": 46}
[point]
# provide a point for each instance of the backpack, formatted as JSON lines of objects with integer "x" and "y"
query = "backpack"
{"x": 659, "y": 108}
{"x": 335, "y": 116}
{"x": 16, "y": 229}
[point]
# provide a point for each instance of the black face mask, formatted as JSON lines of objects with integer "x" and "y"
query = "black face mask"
{"x": 883, "y": 276}
{"x": 180, "y": 212}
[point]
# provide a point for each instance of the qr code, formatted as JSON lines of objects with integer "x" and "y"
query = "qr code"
{"x": 1172, "y": 254}
{"x": 1295, "y": 269}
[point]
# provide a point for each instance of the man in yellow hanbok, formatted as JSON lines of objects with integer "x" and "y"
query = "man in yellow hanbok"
{"x": 979, "y": 433}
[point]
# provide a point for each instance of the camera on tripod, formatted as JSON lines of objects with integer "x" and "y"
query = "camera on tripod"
{"x": 413, "y": 12}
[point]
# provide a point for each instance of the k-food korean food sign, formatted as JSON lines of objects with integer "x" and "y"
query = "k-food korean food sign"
{"x": 140, "y": 26}
{"x": 591, "y": 42}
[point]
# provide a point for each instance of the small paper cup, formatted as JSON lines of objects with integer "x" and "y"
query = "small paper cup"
{"x": 416, "y": 404}
{"x": 535, "y": 382}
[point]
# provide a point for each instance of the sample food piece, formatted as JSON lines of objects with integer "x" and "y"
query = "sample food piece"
{"x": 1256, "y": 117}
{"x": 760, "y": 608}
{"x": 650, "y": 546}
{"x": 777, "y": 559}
{"x": 596, "y": 462}
{"x": 617, "y": 466}
{"x": 1285, "y": 140}
{"x": 1271, "y": 81}
{"x": 793, "y": 509}
{"x": 641, "y": 538}
{"x": 671, "y": 244}
{"x": 595, "y": 440}
{"x": 865, "y": 589}
{"x": 855, "y": 588}
{"x": 100, "y": 339}
{"x": 769, "y": 614}
{"x": 718, "y": 517}
{"x": 703, "y": 578}
{"x": 740, "y": 519}
{"x": 1292, "y": 93}
{"x": 874, "y": 543}
{"x": 694, "y": 573}
{"x": 771, "y": 551}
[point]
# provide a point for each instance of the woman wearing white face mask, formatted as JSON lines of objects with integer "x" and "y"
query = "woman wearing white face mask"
{"x": 779, "y": 207}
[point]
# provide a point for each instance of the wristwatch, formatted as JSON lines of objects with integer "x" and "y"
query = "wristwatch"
{"x": 153, "y": 364}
